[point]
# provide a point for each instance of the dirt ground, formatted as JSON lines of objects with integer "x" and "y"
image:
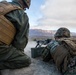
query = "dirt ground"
{"x": 37, "y": 67}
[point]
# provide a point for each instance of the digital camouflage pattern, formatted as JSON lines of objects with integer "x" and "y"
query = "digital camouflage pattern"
{"x": 61, "y": 53}
{"x": 13, "y": 56}
{"x": 62, "y": 32}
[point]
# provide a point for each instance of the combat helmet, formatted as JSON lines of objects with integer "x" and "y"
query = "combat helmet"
{"x": 62, "y": 32}
{"x": 27, "y": 2}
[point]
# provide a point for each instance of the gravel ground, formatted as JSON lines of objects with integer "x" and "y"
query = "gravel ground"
{"x": 37, "y": 67}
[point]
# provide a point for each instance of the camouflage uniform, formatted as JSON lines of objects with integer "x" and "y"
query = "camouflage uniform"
{"x": 65, "y": 62}
{"x": 13, "y": 57}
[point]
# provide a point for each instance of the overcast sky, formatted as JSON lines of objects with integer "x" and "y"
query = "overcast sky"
{"x": 59, "y": 13}
{"x": 52, "y": 14}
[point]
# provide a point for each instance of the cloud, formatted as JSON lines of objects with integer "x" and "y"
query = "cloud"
{"x": 58, "y": 13}
{"x": 6, "y": 0}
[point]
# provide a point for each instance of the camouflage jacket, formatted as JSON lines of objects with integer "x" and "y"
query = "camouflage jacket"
{"x": 64, "y": 60}
{"x": 20, "y": 20}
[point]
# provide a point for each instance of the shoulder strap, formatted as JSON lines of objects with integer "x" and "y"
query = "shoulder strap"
{"x": 6, "y": 7}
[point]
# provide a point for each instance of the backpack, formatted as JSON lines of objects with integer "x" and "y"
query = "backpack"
{"x": 7, "y": 30}
{"x": 70, "y": 44}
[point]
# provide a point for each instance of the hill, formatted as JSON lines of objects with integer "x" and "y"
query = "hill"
{"x": 44, "y": 34}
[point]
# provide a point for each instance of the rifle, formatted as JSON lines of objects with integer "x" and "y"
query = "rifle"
{"x": 37, "y": 51}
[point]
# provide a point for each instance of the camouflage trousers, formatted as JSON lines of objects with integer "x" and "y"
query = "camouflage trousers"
{"x": 71, "y": 71}
{"x": 11, "y": 58}
{"x": 71, "y": 67}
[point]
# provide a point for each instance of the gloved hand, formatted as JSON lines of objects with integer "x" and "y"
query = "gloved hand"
{"x": 52, "y": 45}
